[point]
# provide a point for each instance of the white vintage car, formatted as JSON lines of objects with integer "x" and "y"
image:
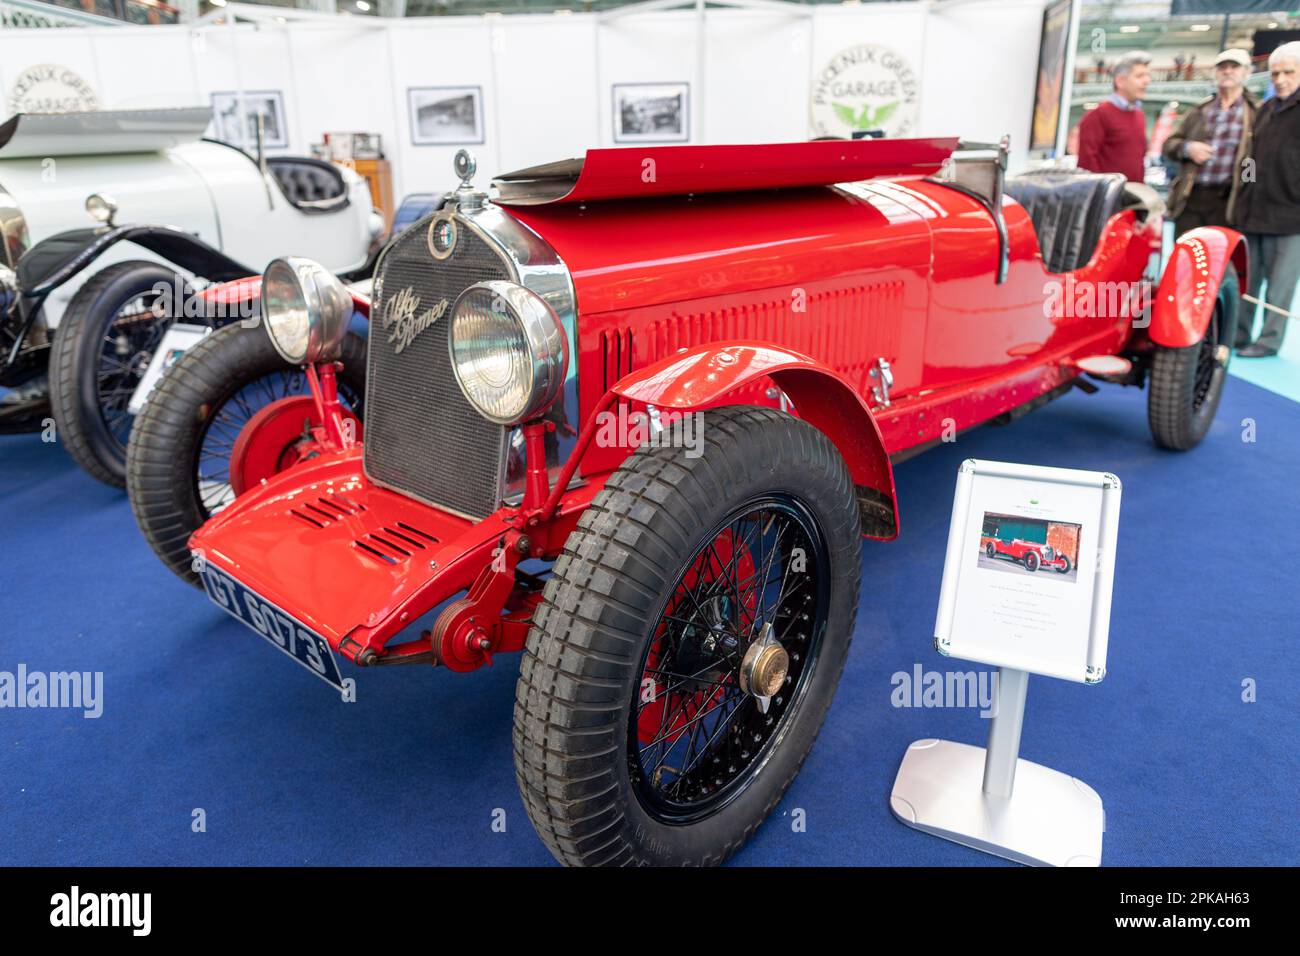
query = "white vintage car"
{"x": 98, "y": 211}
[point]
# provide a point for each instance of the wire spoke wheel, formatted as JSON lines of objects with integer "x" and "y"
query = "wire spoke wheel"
{"x": 125, "y": 351}
{"x": 696, "y": 734}
{"x": 688, "y": 643}
{"x": 108, "y": 337}
{"x": 1207, "y": 362}
{"x": 1187, "y": 382}
{"x": 192, "y": 449}
{"x": 225, "y": 420}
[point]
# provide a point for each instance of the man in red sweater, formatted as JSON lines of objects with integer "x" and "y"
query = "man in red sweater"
{"x": 1113, "y": 137}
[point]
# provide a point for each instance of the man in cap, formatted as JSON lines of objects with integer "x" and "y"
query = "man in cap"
{"x": 1211, "y": 143}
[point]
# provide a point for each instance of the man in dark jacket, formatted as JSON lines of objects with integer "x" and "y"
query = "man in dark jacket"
{"x": 1268, "y": 210}
{"x": 1211, "y": 143}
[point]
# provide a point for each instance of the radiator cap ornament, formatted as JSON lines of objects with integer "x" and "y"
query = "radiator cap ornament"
{"x": 467, "y": 197}
{"x": 465, "y": 166}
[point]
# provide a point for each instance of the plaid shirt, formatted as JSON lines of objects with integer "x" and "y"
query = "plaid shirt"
{"x": 1225, "y": 127}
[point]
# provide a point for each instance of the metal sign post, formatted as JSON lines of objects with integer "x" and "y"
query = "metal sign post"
{"x": 991, "y": 800}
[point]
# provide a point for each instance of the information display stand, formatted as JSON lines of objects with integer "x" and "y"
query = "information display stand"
{"x": 1027, "y": 588}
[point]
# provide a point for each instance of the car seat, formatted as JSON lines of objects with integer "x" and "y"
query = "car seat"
{"x": 311, "y": 185}
{"x": 1069, "y": 209}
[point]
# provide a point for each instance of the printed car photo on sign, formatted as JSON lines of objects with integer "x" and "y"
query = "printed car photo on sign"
{"x": 1026, "y": 545}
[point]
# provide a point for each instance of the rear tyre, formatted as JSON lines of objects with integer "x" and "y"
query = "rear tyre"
{"x": 180, "y": 450}
{"x": 101, "y": 349}
{"x": 991, "y": 551}
{"x": 638, "y": 737}
{"x": 1187, "y": 383}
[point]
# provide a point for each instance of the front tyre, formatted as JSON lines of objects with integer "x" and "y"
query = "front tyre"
{"x": 183, "y": 447}
{"x": 1064, "y": 567}
{"x": 1187, "y": 383}
{"x": 101, "y": 349}
{"x": 1031, "y": 562}
{"x": 688, "y": 645}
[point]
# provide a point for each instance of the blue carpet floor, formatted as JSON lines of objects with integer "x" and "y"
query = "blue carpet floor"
{"x": 200, "y": 714}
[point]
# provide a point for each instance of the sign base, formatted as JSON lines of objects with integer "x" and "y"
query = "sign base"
{"x": 1050, "y": 818}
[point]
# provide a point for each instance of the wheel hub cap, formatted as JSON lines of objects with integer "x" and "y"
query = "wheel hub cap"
{"x": 763, "y": 670}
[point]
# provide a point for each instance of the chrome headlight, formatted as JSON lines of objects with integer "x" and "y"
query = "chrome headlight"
{"x": 1048, "y": 552}
{"x": 101, "y": 207}
{"x": 508, "y": 350}
{"x": 306, "y": 310}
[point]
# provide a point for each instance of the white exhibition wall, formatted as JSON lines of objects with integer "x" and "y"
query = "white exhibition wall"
{"x": 547, "y": 80}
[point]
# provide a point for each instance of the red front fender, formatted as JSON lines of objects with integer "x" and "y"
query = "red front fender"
{"x": 249, "y": 289}
{"x": 1190, "y": 285}
{"x": 702, "y": 376}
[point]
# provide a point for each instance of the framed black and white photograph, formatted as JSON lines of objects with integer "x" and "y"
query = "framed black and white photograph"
{"x": 269, "y": 104}
{"x": 652, "y": 112}
{"x": 445, "y": 115}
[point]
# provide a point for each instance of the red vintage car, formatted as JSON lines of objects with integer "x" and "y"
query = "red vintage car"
{"x": 1032, "y": 554}
{"x": 631, "y": 415}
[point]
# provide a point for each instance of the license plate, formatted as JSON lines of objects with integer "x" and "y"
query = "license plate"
{"x": 283, "y": 632}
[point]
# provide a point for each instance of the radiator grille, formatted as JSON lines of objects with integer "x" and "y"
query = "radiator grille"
{"x": 422, "y": 437}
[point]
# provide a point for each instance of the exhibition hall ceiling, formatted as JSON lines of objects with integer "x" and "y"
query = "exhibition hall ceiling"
{"x": 1155, "y": 12}
{"x": 1138, "y": 25}
{"x": 1130, "y": 23}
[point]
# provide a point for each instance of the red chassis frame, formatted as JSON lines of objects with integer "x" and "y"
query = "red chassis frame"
{"x": 380, "y": 561}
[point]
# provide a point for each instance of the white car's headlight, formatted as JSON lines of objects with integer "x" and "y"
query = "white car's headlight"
{"x": 102, "y": 209}
{"x": 306, "y": 309}
{"x": 508, "y": 350}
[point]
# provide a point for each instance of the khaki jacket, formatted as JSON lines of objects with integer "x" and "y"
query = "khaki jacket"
{"x": 1193, "y": 128}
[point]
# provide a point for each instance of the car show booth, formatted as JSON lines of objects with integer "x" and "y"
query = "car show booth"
{"x": 521, "y": 90}
{"x": 621, "y": 420}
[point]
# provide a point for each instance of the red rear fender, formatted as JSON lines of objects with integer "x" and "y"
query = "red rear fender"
{"x": 1190, "y": 285}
